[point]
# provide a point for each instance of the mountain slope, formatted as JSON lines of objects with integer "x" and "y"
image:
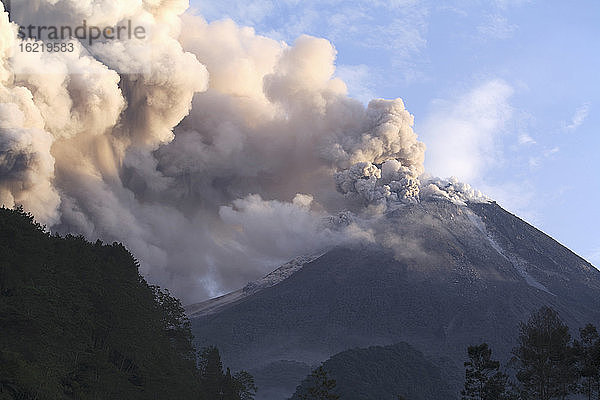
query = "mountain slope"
{"x": 447, "y": 276}
{"x": 219, "y": 303}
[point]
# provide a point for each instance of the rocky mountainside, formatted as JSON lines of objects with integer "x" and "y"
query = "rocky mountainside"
{"x": 446, "y": 276}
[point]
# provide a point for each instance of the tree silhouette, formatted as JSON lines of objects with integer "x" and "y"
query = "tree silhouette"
{"x": 211, "y": 373}
{"x": 228, "y": 387}
{"x": 244, "y": 385}
{"x": 588, "y": 361}
{"x": 217, "y": 385}
{"x": 322, "y": 386}
{"x": 546, "y": 366}
{"x": 483, "y": 379}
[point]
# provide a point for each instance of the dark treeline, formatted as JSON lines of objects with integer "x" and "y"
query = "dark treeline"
{"x": 78, "y": 321}
{"x": 379, "y": 373}
{"x": 320, "y": 386}
{"x": 546, "y": 364}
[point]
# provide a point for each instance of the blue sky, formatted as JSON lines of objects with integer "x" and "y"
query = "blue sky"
{"x": 505, "y": 93}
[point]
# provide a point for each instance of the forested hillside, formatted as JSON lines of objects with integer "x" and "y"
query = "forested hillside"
{"x": 382, "y": 372}
{"x": 77, "y": 321}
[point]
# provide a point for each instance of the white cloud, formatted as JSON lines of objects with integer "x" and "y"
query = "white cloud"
{"x": 526, "y": 139}
{"x": 504, "y": 4}
{"x": 534, "y": 162}
{"x": 398, "y": 28}
{"x": 244, "y": 12}
{"x": 551, "y": 151}
{"x": 578, "y": 118}
{"x": 461, "y": 133}
{"x": 497, "y": 27}
{"x": 359, "y": 79}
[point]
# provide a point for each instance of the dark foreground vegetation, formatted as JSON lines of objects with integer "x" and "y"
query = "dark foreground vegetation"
{"x": 547, "y": 364}
{"x": 379, "y": 373}
{"x": 77, "y": 321}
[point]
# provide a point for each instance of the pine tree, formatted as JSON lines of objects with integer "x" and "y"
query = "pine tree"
{"x": 322, "y": 386}
{"x": 229, "y": 387}
{"x": 211, "y": 373}
{"x": 217, "y": 385}
{"x": 588, "y": 361}
{"x": 244, "y": 385}
{"x": 483, "y": 379}
{"x": 544, "y": 357}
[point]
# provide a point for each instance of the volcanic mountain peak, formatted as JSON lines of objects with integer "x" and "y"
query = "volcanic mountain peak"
{"x": 439, "y": 276}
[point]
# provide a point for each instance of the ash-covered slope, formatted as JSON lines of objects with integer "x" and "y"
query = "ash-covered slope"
{"x": 219, "y": 303}
{"x": 443, "y": 277}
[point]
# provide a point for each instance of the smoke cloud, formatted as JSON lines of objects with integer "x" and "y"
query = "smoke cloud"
{"x": 228, "y": 154}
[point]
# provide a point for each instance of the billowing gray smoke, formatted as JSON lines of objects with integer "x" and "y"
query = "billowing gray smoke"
{"x": 229, "y": 154}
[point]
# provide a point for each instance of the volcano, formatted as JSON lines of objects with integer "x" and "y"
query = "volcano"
{"x": 447, "y": 275}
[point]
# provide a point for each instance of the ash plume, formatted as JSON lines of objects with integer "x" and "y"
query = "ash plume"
{"x": 230, "y": 153}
